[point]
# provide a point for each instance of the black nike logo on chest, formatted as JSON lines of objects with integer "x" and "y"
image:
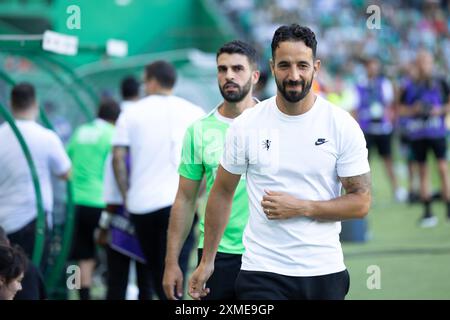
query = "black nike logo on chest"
{"x": 320, "y": 141}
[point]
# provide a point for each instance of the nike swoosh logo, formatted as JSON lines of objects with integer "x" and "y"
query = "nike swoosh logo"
{"x": 320, "y": 141}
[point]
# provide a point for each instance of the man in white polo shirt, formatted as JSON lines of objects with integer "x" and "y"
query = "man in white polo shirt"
{"x": 297, "y": 151}
{"x": 151, "y": 132}
{"x": 18, "y": 211}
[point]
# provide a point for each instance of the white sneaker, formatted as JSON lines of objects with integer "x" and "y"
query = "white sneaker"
{"x": 132, "y": 292}
{"x": 401, "y": 195}
{"x": 429, "y": 222}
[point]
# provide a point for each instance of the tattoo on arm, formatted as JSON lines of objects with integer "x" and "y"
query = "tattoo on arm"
{"x": 120, "y": 168}
{"x": 358, "y": 184}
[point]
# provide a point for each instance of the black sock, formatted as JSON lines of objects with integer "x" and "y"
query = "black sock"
{"x": 85, "y": 294}
{"x": 448, "y": 209}
{"x": 427, "y": 207}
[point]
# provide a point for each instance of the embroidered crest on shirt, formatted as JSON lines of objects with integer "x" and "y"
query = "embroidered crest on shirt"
{"x": 266, "y": 144}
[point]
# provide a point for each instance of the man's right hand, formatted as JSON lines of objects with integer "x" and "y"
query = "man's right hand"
{"x": 173, "y": 281}
{"x": 197, "y": 282}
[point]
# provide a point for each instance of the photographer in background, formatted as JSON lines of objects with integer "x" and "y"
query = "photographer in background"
{"x": 425, "y": 102}
{"x": 374, "y": 112}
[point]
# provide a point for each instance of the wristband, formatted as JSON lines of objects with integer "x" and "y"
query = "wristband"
{"x": 105, "y": 220}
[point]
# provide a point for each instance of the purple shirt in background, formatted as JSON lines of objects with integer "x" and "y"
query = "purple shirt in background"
{"x": 372, "y": 108}
{"x": 431, "y": 96}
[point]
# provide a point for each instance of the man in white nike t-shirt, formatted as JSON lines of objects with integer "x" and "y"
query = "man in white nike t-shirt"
{"x": 297, "y": 150}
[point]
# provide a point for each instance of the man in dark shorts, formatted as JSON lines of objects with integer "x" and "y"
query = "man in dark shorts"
{"x": 426, "y": 101}
{"x": 88, "y": 148}
{"x": 374, "y": 112}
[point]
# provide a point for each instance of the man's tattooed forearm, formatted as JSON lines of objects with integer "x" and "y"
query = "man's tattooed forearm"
{"x": 358, "y": 184}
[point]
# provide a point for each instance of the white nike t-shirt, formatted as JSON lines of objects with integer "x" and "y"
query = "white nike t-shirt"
{"x": 303, "y": 156}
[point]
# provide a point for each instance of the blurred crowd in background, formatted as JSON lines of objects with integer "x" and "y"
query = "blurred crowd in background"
{"x": 343, "y": 36}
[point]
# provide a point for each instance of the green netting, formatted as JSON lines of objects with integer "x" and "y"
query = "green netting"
{"x": 197, "y": 80}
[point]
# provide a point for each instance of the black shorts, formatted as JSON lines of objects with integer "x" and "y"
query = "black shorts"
{"x": 405, "y": 148}
{"x": 381, "y": 141}
{"x": 86, "y": 221}
{"x": 222, "y": 281}
{"x": 420, "y": 148}
{"x": 257, "y": 285}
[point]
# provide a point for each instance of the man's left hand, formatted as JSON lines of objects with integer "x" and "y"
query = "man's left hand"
{"x": 279, "y": 205}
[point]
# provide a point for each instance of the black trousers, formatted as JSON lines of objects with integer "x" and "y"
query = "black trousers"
{"x": 25, "y": 238}
{"x": 151, "y": 231}
{"x": 256, "y": 285}
{"x": 222, "y": 281}
{"x": 117, "y": 278}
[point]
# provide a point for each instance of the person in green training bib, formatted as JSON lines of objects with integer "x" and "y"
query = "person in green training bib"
{"x": 88, "y": 149}
{"x": 237, "y": 73}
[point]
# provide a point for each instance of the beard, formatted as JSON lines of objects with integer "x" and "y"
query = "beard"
{"x": 239, "y": 94}
{"x": 292, "y": 95}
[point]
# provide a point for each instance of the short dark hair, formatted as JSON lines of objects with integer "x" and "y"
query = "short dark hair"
{"x": 163, "y": 72}
{"x": 108, "y": 110}
{"x": 294, "y": 32}
{"x": 239, "y": 47}
{"x": 129, "y": 87}
{"x": 23, "y": 96}
{"x": 13, "y": 262}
